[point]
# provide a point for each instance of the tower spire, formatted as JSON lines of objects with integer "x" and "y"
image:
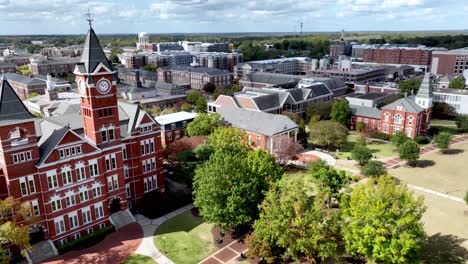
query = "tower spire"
{"x": 89, "y": 18}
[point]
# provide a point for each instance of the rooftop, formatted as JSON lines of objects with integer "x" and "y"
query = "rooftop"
{"x": 280, "y": 60}
{"x": 368, "y": 96}
{"x": 209, "y": 71}
{"x": 175, "y": 117}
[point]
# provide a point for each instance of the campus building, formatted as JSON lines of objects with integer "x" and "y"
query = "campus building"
{"x": 410, "y": 115}
{"x": 77, "y": 169}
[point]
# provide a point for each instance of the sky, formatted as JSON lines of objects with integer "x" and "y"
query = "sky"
{"x": 198, "y": 16}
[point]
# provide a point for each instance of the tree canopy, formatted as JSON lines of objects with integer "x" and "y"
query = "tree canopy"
{"x": 323, "y": 110}
{"x": 382, "y": 222}
{"x": 229, "y": 139}
{"x": 361, "y": 154}
{"x": 328, "y": 178}
{"x": 409, "y": 151}
{"x": 294, "y": 223}
{"x": 209, "y": 87}
{"x": 457, "y": 83}
{"x": 462, "y": 123}
{"x": 374, "y": 168}
{"x": 409, "y": 87}
{"x": 443, "y": 140}
{"x": 328, "y": 133}
{"x": 341, "y": 112}
{"x": 399, "y": 138}
{"x": 203, "y": 124}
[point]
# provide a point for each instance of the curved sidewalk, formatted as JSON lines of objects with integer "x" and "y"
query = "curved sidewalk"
{"x": 149, "y": 226}
{"x": 323, "y": 156}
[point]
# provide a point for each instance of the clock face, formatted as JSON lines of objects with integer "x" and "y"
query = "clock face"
{"x": 82, "y": 87}
{"x": 103, "y": 86}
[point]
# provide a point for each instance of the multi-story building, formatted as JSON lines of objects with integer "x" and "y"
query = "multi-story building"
{"x": 144, "y": 42}
{"x": 449, "y": 62}
{"x": 195, "y": 77}
{"x": 195, "y": 46}
{"x": 70, "y": 51}
{"x": 218, "y": 60}
{"x": 410, "y": 115}
{"x": 169, "y": 58}
{"x": 77, "y": 169}
{"x": 173, "y": 126}
{"x": 132, "y": 60}
{"x": 337, "y": 49}
{"x": 7, "y": 67}
{"x": 456, "y": 98}
{"x": 168, "y": 46}
{"x": 275, "y": 100}
{"x": 354, "y": 75}
{"x": 15, "y": 59}
{"x": 129, "y": 76}
{"x": 24, "y": 85}
{"x": 294, "y": 65}
{"x": 55, "y": 66}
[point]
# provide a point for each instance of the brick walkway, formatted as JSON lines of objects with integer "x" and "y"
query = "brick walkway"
{"x": 395, "y": 161}
{"x": 226, "y": 254}
{"x": 114, "y": 249}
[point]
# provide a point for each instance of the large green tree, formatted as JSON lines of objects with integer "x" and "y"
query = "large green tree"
{"x": 294, "y": 223}
{"x": 201, "y": 105}
{"x": 457, "y": 83}
{"x": 409, "y": 151}
{"x": 341, "y": 112}
{"x": 382, "y": 222}
{"x": 443, "y": 140}
{"x": 374, "y": 168}
{"x": 228, "y": 139}
{"x": 399, "y": 138}
{"x": 203, "y": 124}
{"x": 328, "y": 178}
{"x": 229, "y": 187}
{"x": 323, "y": 110}
{"x": 328, "y": 133}
{"x": 462, "y": 123}
{"x": 361, "y": 154}
{"x": 409, "y": 87}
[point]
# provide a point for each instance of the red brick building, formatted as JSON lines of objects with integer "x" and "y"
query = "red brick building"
{"x": 450, "y": 62}
{"x": 394, "y": 55}
{"x": 195, "y": 77}
{"x": 173, "y": 126}
{"x": 77, "y": 169}
{"x": 410, "y": 115}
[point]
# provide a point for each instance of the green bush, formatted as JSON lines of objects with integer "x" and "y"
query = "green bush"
{"x": 374, "y": 168}
{"x": 186, "y": 156}
{"x": 381, "y": 135}
{"x": 433, "y": 131}
{"x": 399, "y": 138}
{"x": 82, "y": 241}
{"x": 421, "y": 140}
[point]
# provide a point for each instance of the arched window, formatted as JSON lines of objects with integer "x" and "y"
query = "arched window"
{"x": 80, "y": 171}
{"x": 397, "y": 119}
{"x": 18, "y": 136}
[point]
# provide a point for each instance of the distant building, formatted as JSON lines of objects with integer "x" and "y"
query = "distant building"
{"x": 456, "y": 98}
{"x": 195, "y": 77}
{"x": 169, "y": 46}
{"x": 24, "y": 86}
{"x": 173, "y": 126}
{"x": 263, "y": 129}
{"x": 55, "y": 66}
{"x": 378, "y": 87}
{"x": 133, "y": 61}
{"x": 15, "y": 59}
{"x": 169, "y": 58}
{"x": 144, "y": 42}
{"x": 70, "y": 51}
{"x": 337, "y": 49}
{"x": 128, "y": 76}
{"x": 7, "y": 67}
{"x": 294, "y": 65}
{"x": 449, "y": 62}
{"x": 409, "y": 115}
{"x": 370, "y": 99}
{"x": 354, "y": 75}
{"x": 195, "y": 46}
{"x": 218, "y": 60}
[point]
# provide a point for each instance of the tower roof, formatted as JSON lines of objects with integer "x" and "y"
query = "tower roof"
{"x": 11, "y": 106}
{"x": 93, "y": 54}
{"x": 425, "y": 90}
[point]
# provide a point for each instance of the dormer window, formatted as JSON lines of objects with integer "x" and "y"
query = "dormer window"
{"x": 69, "y": 151}
{"x": 146, "y": 128}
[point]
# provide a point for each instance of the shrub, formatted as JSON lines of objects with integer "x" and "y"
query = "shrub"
{"x": 361, "y": 154}
{"x": 374, "y": 168}
{"x": 443, "y": 140}
{"x": 433, "y": 131}
{"x": 381, "y": 135}
{"x": 361, "y": 139}
{"x": 84, "y": 240}
{"x": 421, "y": 140}
{"x": 360, "y": 126}
{"x": 462, "y": 123}
{"x": 399, "y": 138}
{"x": 409, "y": 151}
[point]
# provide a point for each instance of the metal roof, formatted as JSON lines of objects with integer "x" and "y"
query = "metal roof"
{"x": 11, "y": 107}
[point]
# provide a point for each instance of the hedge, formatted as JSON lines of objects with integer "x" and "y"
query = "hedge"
{"x": 79, "y": 242}
{"x": 381, "y": 135}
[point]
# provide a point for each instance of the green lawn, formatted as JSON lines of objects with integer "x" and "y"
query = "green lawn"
{"x": 445, "y": 125}
{"x": 380, "y": 148}
{"x": 139, "y": 259}
{"x": 185, "y": 239}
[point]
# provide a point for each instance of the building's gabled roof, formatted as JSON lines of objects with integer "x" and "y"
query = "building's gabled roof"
{"x": 319, "y": 89}
{"x": 19, "y": 78}
{"x": 365, "y": 111}
{"x": 407, "y": 103}
{"x": 11, "y": 107}
{"x": 255, "y": 121}
{"x": 425, "y": 90}
{"x": 272, "y": 78}
{"x": 175, "y": 117}
{"x": 92, "y": 55}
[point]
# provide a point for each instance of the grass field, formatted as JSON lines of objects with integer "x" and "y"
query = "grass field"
{"x": 445, "y": 125}
{"x": 185, "y": 239}
{"x": 139, "y": 259}
{"x": 380, "y": 148}
{"x": 445, "y": 173}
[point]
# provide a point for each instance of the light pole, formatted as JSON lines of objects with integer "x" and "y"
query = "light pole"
{"x": 164, "y": 244}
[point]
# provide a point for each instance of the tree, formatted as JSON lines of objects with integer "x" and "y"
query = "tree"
{"x": 201, "y": 105}
{"x": 462, "y": 123}
{"x": 327, "y": 177}
{"x": 323, "y": 110}
{"x": 228, "y": 139}
{"x": 374, "y": 168}
{"x": 24, "y": 69}
{"x": 209, "y": 87}
{"x": 293, "y": 223}
{"x": 193, "y": 96}
{"x": 285, "y": 148}
{"x": 301, "y": 133}
{"x": 203, "y": 151}
{"x": 341, "y": 112}
{"x": 443, "y": 111}
{"x": 167, "y": 111}
{"x": 361, "y": 139}
{"x": 382, "y": 222}
{"x": 399, "y": 138}
{"x": 203, "y": 124}
{"x": 10, "y": 230}
{"x": 150, "y": 67}
{"x": 443, "y": 140}
{"x": 113, "y": 56}
{"x": 186, "y": 107}
{"x": 229, "y": 187}
{"x": 313, "y": 120}
{"x": 409, "y": 87}
{"x": 172, "y": 151}
{"x": 360, "y": 126}
{"x": 361, "y": 154}
{"x": 409, "y": 151}
{"x": 457, "y": 83}
{"x": 328, "y": 133}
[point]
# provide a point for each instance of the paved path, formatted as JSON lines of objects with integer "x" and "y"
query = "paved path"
{"x": 114, "y": 249}
{"x": 395, "y": 161}
{"x": 311, "y": 155}
{"x": 443, "y": 195}
{"x": 149, "y": 226}
{"x": 227, "y": 253}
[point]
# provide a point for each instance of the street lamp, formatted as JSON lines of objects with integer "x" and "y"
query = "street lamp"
{"x": 164, "y": 245}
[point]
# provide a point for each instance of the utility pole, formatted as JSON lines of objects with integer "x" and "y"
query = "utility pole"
{"x": 302, "y": 24}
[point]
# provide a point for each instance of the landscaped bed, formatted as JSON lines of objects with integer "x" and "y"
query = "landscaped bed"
{"x": 139, "y": 259}
{"x": 380, "y": 148}
{"x": 185, "y": 239}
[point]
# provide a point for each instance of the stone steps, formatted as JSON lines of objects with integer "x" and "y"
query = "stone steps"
{"x": 122, "y": 218}
{"x": 41, "y": 251}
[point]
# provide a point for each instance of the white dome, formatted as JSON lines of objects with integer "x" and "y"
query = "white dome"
{"x": 142, "y": 34}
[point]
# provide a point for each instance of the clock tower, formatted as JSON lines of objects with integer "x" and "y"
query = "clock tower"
{"x": 95, "y": 78}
